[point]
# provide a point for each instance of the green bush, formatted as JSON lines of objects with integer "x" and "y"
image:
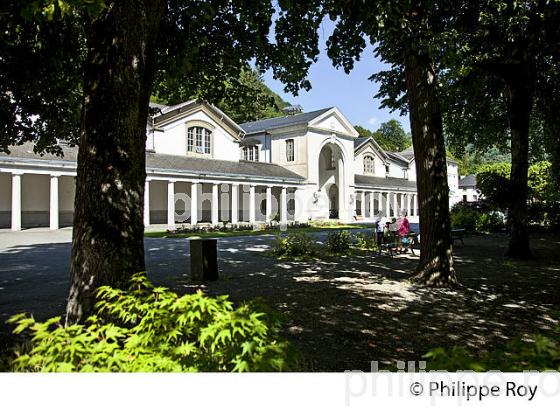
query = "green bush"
{"x": 339, "y": 242}
{"x": 541, "y": 353}
{"x": 151, "y": 329}
{"x": 298, "y": 245}
{"x": 366, "y": 241}
{"x": 476, "y": 220}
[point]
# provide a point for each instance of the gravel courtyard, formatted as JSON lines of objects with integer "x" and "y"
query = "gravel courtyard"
{"x": 341, "y": 313}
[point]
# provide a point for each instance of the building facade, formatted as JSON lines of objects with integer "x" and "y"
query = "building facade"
{"x": 468, "y": 192}
{"x": 202, "y": 167}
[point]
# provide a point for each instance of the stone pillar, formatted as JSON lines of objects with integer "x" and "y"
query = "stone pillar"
{"x": 388, "y": 205}
{"x": 268, "y": 216}
{"x": 171, "y": 205}
{"x": 416, "y": 209}
{"x": 194, "y": 203}
{"x": 234, "y": 203}
{"x": 380, "y": 203}
{"x": 395, "y": 205}
{"x": 147, "y": 203}
{"x": 215, "y": 218}
{"x": 409, "y": 204}
{"x": 363, "y": 203}
{"x": 342, "y": 200}
{"x": 252, "y": 218}
{"x": 284, "y": 205}
{"x": 371, "y": 204}
{"x": 16, "y": 202}
{"x": 53, "y": 209}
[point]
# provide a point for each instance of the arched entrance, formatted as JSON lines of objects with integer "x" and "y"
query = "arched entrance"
{"x": 331, "y": 179}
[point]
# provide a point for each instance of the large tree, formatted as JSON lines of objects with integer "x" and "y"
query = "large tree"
{"x": 407, "y": 35}
{"x": 502, "y": 71}
{"x": 117, "y": 51}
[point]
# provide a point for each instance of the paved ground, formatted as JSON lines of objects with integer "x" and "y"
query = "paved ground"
{"x": 341, "y": 312}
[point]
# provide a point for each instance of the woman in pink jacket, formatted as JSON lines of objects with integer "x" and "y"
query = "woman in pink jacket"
{"x": 403, "y": 231}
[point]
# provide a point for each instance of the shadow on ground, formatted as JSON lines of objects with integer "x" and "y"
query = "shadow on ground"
{"x": 342, "y": 312}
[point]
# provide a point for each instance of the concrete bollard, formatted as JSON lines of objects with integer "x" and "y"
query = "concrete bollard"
{"x": 204, "y": 259}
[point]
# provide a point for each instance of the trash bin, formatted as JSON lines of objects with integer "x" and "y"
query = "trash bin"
{"x": 204, "y": 259}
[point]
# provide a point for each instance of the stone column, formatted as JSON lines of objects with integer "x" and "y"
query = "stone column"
{"x": 53, "y": 209}
{"x": 342, "y": 200}
{"x": 395, "y": 205}
{"x": 234, "y": 203}
{"x": 371, "y": 204}
{"x": 252, "y": 218}
{"x": 409, "y": 204}
{"x": 284, "y": 205}
{"x": 380, "y": 203}
{"x": 215, "y": 217}
{"x": 388, "y": 205}
{"x": 147, "y": 203}
{"x": 171, "y": 204}
{"x": 363, "y": 204}
{"x": 416, "y": 209}
{"x": 16, "y": 202}
{"x": 268, "y": 216}
{"x": 194, "y": 203}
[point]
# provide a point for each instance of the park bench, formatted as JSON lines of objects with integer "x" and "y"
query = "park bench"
{"x": 457, "y": 235}
{"x": 391, "y": 244}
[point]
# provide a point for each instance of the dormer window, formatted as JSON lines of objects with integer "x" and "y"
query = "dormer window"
{"x": 386, "y": 169}
{"x": 250, "y": 153}
{"x": 199, "y": 140}
{"x": 369, "y": 165}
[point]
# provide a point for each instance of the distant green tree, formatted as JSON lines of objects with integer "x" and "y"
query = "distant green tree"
{"x": 393, "y": 137}
{"x": 245, "y": 97}
{"x": 390, "y": 135}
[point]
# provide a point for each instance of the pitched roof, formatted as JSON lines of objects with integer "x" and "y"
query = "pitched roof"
{"x": 467, "y": 181}
{"x": 358, "y": 142}
{"x": 277, "y": 122}
{"x": 169, "y": 163}
{"x": 407, "y": 153}
{"x": 378, "y": 182}
{"x": 396, "y": 157}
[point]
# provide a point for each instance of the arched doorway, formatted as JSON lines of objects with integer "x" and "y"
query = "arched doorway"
{"x": 331, "y": 180}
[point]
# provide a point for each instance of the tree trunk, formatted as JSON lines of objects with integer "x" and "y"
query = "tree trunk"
{"x": 436, "y": 255}
{"x": 108, "y": 235}
{"x": 520, "y": 85}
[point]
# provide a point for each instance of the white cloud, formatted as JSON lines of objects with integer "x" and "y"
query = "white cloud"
{"x": 372, "y": 121}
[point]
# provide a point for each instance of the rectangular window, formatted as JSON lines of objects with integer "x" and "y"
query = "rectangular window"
{"x": 290, "y": 155}
{"x": 190, "y": 140}
{"x": 206, "y": 142}
{"x": 250, "y": 154}
{"x": 387, "y": 169}
{"x": 199, "y": 139}
{"x": 256, "y": 148}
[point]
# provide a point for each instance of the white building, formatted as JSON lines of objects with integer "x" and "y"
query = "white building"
{"x": 202, "y": 167}
{"x": 468, "y": 192}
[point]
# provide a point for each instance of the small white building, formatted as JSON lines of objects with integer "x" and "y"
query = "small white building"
{"x": 468, "y": 192}
{"x": 202, "y": 167}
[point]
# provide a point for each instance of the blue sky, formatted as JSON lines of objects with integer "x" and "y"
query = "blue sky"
{"x": 352, "y": 93}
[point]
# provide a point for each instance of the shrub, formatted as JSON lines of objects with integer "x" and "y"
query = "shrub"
{"x": 299, "y": 245}
{"x": 366, "y": 240}
{"x": 151, "y": 329}
{"x": 541, "y": 353}
{"x": 339, "y": 242}
{"x": 476, "y": 219}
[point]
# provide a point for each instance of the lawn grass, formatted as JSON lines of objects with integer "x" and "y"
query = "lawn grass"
{"x": 227, "y": 234}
